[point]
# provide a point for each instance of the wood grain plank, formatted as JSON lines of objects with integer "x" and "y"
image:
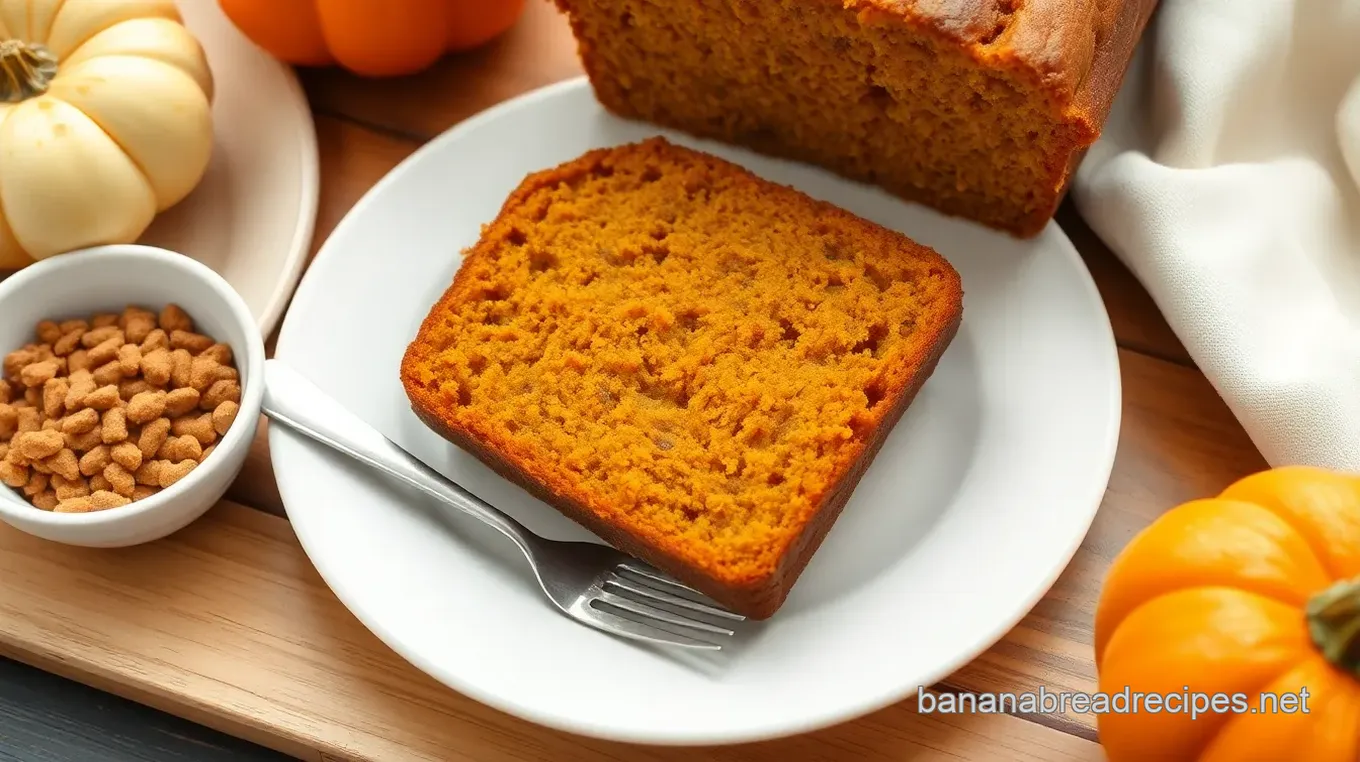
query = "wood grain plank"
{"x": 538, "y": 51}
{"x": 227, "y": 624}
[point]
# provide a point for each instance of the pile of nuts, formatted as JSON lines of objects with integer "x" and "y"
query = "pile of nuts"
{"x": 99, "y": 413}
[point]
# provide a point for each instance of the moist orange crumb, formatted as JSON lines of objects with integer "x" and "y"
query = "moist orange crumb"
{"x": 693, "y": 362}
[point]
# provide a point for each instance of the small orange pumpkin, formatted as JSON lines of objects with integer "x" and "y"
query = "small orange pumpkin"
{"x": 1220, "y": 601}
{"x": 375, "y": 38}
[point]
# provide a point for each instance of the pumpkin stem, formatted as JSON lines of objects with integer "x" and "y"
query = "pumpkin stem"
{"x": 26, "y": 69}
{"x": 1334, "y": 623}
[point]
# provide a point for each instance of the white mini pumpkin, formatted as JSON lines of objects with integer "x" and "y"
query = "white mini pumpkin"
{"x": 105, "y": 121}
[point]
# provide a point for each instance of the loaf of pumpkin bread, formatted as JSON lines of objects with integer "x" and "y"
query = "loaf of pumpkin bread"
{"x": 978, "y": 108}
{"x": 692, "y": 362}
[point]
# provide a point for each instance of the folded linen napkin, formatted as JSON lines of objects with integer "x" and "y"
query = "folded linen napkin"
{"x": 1228, "y": 181}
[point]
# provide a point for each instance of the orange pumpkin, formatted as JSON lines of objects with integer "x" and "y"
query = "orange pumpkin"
{"x": 375, "y": 38}
{"x": 1220, "y": 601}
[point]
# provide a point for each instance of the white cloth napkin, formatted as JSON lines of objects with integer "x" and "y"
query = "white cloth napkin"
{"x": 1228, "y": 181}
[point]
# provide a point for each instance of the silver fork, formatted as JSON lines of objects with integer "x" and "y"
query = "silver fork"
{"x": 593, "y": 584}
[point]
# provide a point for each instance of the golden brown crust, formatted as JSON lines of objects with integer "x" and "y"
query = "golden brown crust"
{"x": 839, "y": 83}
{"x": 757, "y": 594}
{"x": 765, "y": 602}
{"x": 1078, "y": 48}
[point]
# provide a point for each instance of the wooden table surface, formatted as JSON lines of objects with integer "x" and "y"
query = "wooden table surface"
{"x": 1178, "y": 442}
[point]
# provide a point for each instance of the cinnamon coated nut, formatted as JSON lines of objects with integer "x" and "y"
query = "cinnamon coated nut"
{"x": 102, "y": 411}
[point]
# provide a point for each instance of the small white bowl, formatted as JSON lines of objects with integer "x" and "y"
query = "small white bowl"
{"x": 108, "y": 279}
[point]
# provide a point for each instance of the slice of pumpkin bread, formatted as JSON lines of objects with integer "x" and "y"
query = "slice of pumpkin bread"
{"x": 694, "y": 363}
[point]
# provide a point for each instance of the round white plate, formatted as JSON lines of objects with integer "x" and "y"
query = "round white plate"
{"x": 976, "y": 502}
{"x": 251, "y": 218}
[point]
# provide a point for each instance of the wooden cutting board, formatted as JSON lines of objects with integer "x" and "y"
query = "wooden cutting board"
{"x": 226, "y": 623}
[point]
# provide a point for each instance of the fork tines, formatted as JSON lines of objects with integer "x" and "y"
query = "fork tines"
{"x": 645, "y": 598}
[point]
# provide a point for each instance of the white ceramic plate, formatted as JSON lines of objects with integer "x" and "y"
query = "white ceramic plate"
{"x": 977, "y": 501}
{"x": 252, "y": 217}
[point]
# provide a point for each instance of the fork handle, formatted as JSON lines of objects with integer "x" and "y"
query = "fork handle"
{"x": 298, "y": 404}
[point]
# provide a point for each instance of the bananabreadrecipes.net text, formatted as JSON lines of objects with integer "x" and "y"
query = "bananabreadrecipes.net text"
{"x": 1126, "y": 701}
